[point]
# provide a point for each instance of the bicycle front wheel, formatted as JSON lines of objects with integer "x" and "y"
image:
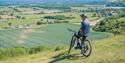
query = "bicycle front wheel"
{"x": 72, "y": 43}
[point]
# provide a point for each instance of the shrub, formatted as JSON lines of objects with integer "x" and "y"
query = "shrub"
{"x": 39, "y": 23}
{"x": 17, "y": 51}
{"x": 57, "y": 48}
{"x": 12, "y": 52}
{"x": 37, "y": 49}
{"x": 110, "y": 24}
{"x": 58, "y": 17}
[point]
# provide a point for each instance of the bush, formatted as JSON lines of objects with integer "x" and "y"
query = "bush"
{"x": 17, "y": 51}
{"x": 37, "y": 49}
{"x": 39, "y": 23}
{"x": 12, "y": 52}
{"x": 57, "y": 48}
{"x": 110, "y": 24}
{"x": 58, "y": 17}
{"x": 23, "y": 17}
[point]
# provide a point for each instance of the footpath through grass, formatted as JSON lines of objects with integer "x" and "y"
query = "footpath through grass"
{"x": 110, "y": 50}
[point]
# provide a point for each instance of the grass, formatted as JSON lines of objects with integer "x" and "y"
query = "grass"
{"x": 48, "y": 35}
{"x": 109, "y": 50}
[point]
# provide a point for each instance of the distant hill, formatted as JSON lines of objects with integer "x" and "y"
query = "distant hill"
{"x": 63, "y": 1}
{"x": 107, "y": 2}
{"x": 55, "y": 1}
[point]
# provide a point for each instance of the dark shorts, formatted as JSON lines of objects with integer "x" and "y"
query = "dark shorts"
{"x": 80, "y": 35}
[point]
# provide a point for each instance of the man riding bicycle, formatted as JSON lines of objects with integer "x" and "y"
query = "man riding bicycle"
{"x": 84, "y": 29}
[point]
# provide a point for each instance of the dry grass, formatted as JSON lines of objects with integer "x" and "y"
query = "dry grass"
{"x": 110, "y": 50}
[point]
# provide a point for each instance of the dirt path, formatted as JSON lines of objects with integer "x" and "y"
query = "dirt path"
{"x": 93, "y": 23}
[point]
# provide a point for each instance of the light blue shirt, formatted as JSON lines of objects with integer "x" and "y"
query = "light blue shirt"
{"x": 85, "y": 27}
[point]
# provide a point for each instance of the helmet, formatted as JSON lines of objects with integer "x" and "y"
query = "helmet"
{"x": 83, "y": 15}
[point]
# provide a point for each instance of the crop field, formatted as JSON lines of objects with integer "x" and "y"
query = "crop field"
{"x": 14, "y": 16}
{"x": 48, "y": 35}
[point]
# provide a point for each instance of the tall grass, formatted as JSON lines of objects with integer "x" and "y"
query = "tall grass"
{"x": 17, "y": 51}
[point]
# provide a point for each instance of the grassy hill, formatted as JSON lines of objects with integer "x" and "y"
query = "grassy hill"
{"x": 109, "y": 50}
{"x": 48, "y": 35}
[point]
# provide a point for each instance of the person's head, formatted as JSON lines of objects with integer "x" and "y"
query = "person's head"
{"x": 83, "y": 16}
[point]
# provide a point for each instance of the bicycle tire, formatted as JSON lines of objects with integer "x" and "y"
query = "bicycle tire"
{"x": 72, "y": 43}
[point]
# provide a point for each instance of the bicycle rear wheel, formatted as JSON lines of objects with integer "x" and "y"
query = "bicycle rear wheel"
{"x": 86, "y": 48}
{"x": 72, "y": 43}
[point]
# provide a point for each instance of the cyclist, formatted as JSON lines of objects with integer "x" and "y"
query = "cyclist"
{"x": 84, "y": 29}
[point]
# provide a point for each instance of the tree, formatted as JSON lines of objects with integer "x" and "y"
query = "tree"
{"x": 110, "y": 24}
{"x": 23, "y": 17}
{"x": 9, "y": 24}
{"x": 11, "y": 14}
{"x": 39, "y": 23}
{"x": 18, "y": 17}
{"x": 94, "y": 15}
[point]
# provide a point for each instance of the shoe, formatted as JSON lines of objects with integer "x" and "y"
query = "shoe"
{"x": 78, "y": 46}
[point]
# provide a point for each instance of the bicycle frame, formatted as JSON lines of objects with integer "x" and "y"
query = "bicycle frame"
{"x": 81, "y": 43}
{"x": 75, "y": 33}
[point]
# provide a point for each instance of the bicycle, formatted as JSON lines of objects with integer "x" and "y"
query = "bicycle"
{"x": 86, "y": 47}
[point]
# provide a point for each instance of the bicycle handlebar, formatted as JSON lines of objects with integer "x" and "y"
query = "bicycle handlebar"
{"x": 70, "y": 30}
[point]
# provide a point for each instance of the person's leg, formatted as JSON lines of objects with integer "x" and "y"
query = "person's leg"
{"x": 83, "y": 38}
{"x": 78, "y": 43}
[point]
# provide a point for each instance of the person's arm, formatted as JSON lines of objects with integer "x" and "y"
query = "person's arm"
{"x": 81, "y": 27}
{"x": 80, "y": 30}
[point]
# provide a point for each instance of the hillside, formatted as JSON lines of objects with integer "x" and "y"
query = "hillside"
{"x": 48, "y": 35}
{"x": 110, "y": 50}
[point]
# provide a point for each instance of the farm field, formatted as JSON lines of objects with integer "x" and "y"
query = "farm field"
{"x": 48, "y": 35}
{"x": 17, "y": 17}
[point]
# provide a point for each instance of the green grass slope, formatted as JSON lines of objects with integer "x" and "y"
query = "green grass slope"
{"x": 48, "y": 35}
{"x": 109, "y": 50}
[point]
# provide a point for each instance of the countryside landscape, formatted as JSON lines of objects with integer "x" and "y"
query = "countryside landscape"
{"x": 35, "y": 31}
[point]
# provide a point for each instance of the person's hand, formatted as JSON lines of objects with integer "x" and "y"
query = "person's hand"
{"x": 80, "y": 30}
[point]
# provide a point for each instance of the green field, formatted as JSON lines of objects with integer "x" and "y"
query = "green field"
{"x": 48, "y": 35}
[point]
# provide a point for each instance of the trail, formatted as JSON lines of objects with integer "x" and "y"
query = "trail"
{"x": 93, "y": 23}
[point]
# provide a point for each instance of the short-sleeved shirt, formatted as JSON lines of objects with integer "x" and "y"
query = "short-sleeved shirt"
{"x": 85, "y": 27}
